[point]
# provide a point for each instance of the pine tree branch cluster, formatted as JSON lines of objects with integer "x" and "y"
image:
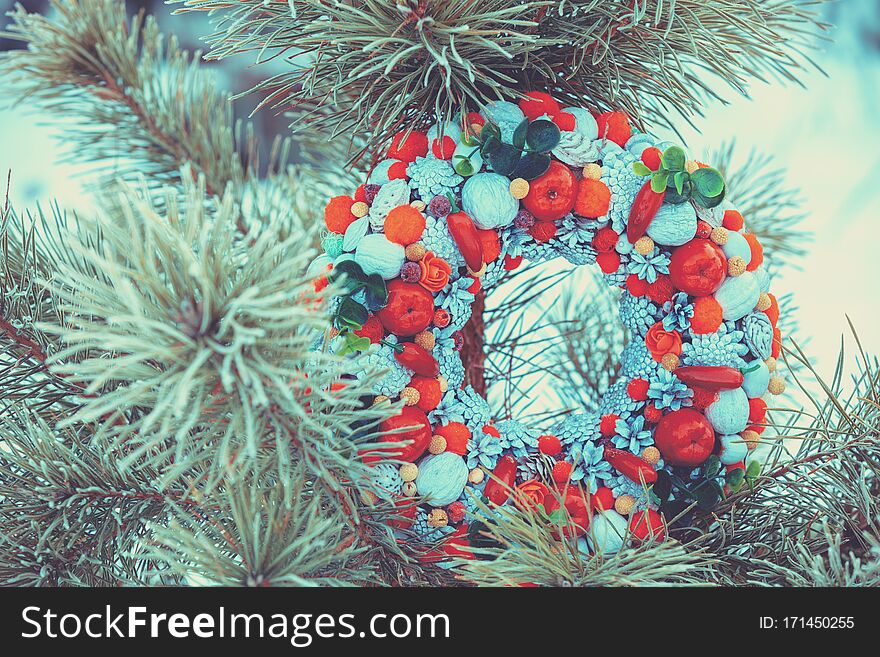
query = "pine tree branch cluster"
{"x": 373, "y": 67}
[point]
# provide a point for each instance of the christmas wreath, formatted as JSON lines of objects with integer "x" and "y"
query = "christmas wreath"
{"x": 447, "y": 212}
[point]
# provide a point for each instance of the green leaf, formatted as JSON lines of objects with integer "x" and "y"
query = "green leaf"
{"x": 488, "y": 146}
{"x": 673, "y": 158}
{"x": 531, "y": 166}
{"x": 735, "y": 479}
{"x": 712, "y": 466}
{"x": 351, "y": 313}
{"x": 680, "y": 179}
{"x": 543, "y": 136}
{"x": 641, "y": 169}
{"x": 519, "y": 135}
{"x": 490, "y": 130}
{"x": 663, "y": 486}
{"x": 708, "y": 182}
{"x": 377, "y": 291}
{"x": 707, "y": 496}
{"x": 504, "y": 159}
{"x": 706, "y": 201}
{"x": 462, "y": 165}
{"x": 658, "y": 181}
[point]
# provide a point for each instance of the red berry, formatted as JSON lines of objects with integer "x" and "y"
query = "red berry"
{"x": 538, "y": 103}
{"x": 636, "y": 286}
{"x": 372, "y": 329}
{"x": 704, "y": 229}
{"x": 561, "y": 472}
{"x": 647, "y": 523}
{"x": 512, "y": 262}
{"x": 565, "y": 121}
{"x": 549, "y": 445}
{"x": 638, "y": 389}
{"x": 605, "y": 239}
{"x": 489, "y": 430}
{"x": 651, "y": 157}
{"x": 733, "y": 220}
{"x": 661, "y": 290}
{"x": 407, "y": 147}
{"x": 397, "y": 170}
{"x": 442, "y": 318}
{"x": 757, "y": 410}
{"x": 456, "y": 511}
{"x": 429, "y": 392}
{"x": 608, "y": 425}
{"x": 360, "y": 194}
{"x": 703, "y": 398}
{"x": 443, "y": 149}
{"x": 652, "y": 413}
{"x": 457, "y": 436}
{"x": 615, "y": 127}
{"x": 608, "y": 262}
{"x": 602, "y": 499}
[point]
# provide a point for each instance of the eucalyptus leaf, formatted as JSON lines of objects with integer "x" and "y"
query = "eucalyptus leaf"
{"x": 491, "y": 144}
{"x": 504, "y": 159}
{"x": 641, "y": 169}
{"x": 673, "y": 158}
{"x": 531, "y": 166}
{"x": 490, "y": 130}
{"x": 680, "y": 179}
{"x": 658, "y": 181}
{"x": 543, "y": 136}
{"x": 462, "y": 165}
{"x": 735, "y": 479}
{"x": 351, "y": 313}
{"x": 708, "y": 182}
{"x": 377, "y": 291}
{"x": 519, "y": 135}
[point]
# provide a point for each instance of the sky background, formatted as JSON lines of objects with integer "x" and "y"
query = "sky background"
{"x": 826, "y": 134}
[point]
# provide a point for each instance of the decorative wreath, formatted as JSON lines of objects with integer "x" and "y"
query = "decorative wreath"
{"x": 448, "y": 212}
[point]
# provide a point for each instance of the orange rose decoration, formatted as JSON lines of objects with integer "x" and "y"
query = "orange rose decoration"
{"x": 435, "y": 272}
{"x": 661, "y": 342}
{"x": 530, "y": 494}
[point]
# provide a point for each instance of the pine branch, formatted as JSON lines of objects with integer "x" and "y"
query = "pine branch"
{"x": 657, "y": 60}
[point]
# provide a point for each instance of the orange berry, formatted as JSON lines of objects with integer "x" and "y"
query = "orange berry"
{"x": 404, "y": 225}
{"x": 593, "y": 198}
{"x": 707, "y": 315}
{"x": 338, "y": 215}
{"x": 733, "y": 220}
{"x": 457, "y": 436}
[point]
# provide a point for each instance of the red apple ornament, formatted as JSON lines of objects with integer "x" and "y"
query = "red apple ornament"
{"x": 410, "y": 309}
{"x": 417, "y": 436}
{"x": 551, "y": 196}
{"x": 698, "y": 267}
{"x": 684, "y": 437}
